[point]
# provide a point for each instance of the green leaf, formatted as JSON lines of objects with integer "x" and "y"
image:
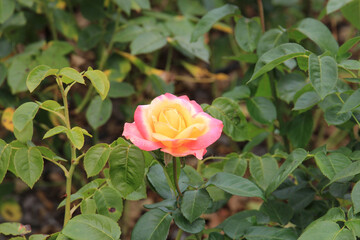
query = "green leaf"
{"x": 159, "y": 181}
{"x": 270, "y": 233}
{"x": 347, "y": 46}
{"x": 238, "y": 93}
{"x": 54, "y": 131}
{"x": 321, "y": 230}
{"x": 194, "y": 203}
{"x": 299, "y": 130}
{"x": 3, "y": 73}
{"x": 5, "y": 152}
{"x": 92, "y": 227}
{"x": 76, "y": 136}
{"x": 17, "y": 74}
{"x": 334, "y": 117}
{"x": 100, "y": 81}
{"x": 38, "y": 74}
{"x": 351, "y": 13}
{"x": 210, "y": 18}
{"x": 147, "y": 42}
{"x": 235, "y": 185}
{"x": 277, "y": 211}
{"x": 128, "y": 33}
{"x": 51, "y": 105}
{"x": 355, "y": 197}
{"x": 38, "y": 237}
{"x": 48, "y": 153}
{"x": 14, "y": 228}
{"x": 306, "y": 101}
{"x": 271, "y": 39}
{"x": 69, "y": 75}
{"x": 263, "y": 170}
{"x": 288, "y": 85}
{"x": 332, "y": 164}
{"x": 153, "y": 225}
{"x": 276, "y": 56}
{"x": 29, "y": 165}
{"x": 65, "y": 22}
{"x": 96, "y": 158}
{"x": 346, "y": 173}
{"x": 191, "y": 49}
{"x": 26, "y": 134}
{"x": 98, "y": 112}
{"x": 247, "y": 34}
{"x": 261, "y": 109}
{"x": 7, "y": 8}
{"x": 334, "y": 5}
{"x": 143, "y": 4}
{"x": 195, "y": 227}
{"x": 90, "y": 37}
{"x": 88, "y": 206}
{"x": 350, "y": 64}
{"x": 323, "y": 74}
{"x": 291, "y": 163}
{"x": 127, "y": 168}
{"x": 125, "y": 5}
{"x": 318, "y": 33}
{"x": 109, "y": 202}
{"x": 120, "y": 89}
{"x": 352, "y": 102}
{"x": 24, "y": 115}
{"x": 236, "y": 165}
{"x": 229, "y": 112}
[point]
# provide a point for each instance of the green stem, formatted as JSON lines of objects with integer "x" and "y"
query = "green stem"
{"x": 86, "y": 99}
{"x": 175, "y": 177}
{"x": 169, "y": 58}
{"x": 68, "y": 194}
{"x": 50, "y": 17}
{"x": 179, "y": 234}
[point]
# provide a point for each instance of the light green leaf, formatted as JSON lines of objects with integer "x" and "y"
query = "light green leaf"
{"x": 76, "y": 136}
{"x": 334, "y": 5}
{"x": 109, "y": 202}
{"x": 235, "y": 185}
{"x": 263, "y": 169}
{"x": 355, "y": 197}
{"x": 210, "y": 18}
{"x": 271, "y": 39}
{"x": 346, "y": 173}
{"x": 125, "y": 5}
{"x": 147, "y": 42}
{"x": 351, "y": 12}
{"x": 14, "y": 228}
{"x": 69, "y": 75}
{"x": 352, "y": 102}
{"x": 194, "y": 203}
{"x": 26, "y": 134}
{"x": 153, "y": 225}
{"x": 5, "y": 151}
{"x": 38, "y": 74}
{"x": 7, "y": 8}
{"x": 100, "y": 81}
{"x": 51, "y": 105}
{"x": 29, "y": 165}
{"x": 247, "y": 34}
{"x": 99, "y": 112}
{"x": 318, "y": 33}
{"x": 347, "y": 46}
{"x": 54, "y": 131}
{"x": 321, "y": 230}
{"x": 92, "y": 227}
{"x": 292, "y": 162}
{"x": 323, "y": 74}
{"x": 24, "y": 115}
{"x": 88, "y": 206}
{"x": 261, "y": 109}
{"x": 96, "y": 158}
{"x": 128, "y": 33}
{"x": 127, "y": 168}
{"x": 306, "y": 100}
{"x": 332, "y": 164}
{"x": 229, "y": 112}
{"x": 38, "y": 237}
{"x": 276, "y": 56}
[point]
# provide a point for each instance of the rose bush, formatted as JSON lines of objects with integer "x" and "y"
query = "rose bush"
{"x": 176, "y": 125}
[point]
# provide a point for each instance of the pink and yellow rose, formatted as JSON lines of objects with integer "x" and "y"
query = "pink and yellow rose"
{"x": 176, "y": 125}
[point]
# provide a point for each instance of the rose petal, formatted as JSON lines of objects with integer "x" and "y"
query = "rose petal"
{"x": 182, "y": 152}
{"x": 212, "y": 134}
{"x": 143, "y": 121}
{"x": 131, "y": 132}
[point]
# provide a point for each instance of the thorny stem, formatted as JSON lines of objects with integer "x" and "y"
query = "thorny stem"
{"x": 261, "y": 13}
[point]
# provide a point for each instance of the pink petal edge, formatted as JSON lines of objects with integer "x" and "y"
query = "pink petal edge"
{"x": 131, "y": 132}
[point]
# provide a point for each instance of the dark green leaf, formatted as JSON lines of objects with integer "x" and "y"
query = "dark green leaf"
{"x": 332, "y": 164}
{"x": 5, "y": 151}
{"x": 288, "y": 85}
{"x": 261, "y": 109}
{"x": 238, "y": 93}
{"x": 147, "y": 42}
{"x": 270, "y": 233}
{"x": 153, "y": 225}
{"x": 109, "y": 203}
{"x": 247, "y": 34}
{"x": 263, "y": 169}
{"x": 355, "y": 197}
{"x": 306, "y": 101}
{"x": 194, "y": 227}
{"x": 96, "y": 158}
{"x": 277, "y": 211}
{"x": 321, "y": 230}
{"x": 351, "y": 13}
{"x": 194, "y": 203}
{"x": 334, "y": 5}
{"x": 271, "y": 39}
{"x": 352, "y": 102}
{"x": 92, "y": 227}
{"x": 98, "y": 112}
